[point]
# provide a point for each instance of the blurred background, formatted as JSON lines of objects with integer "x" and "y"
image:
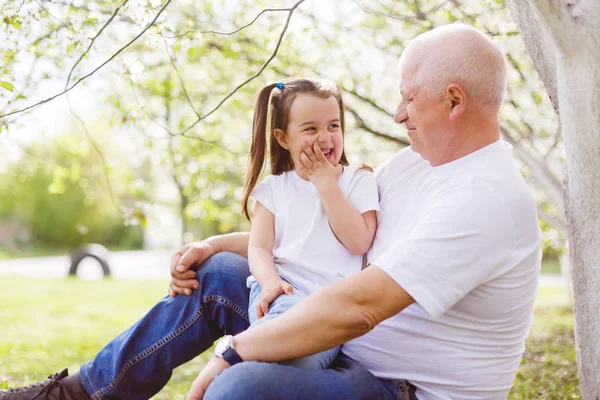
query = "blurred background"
{"x": 127, "y": 123}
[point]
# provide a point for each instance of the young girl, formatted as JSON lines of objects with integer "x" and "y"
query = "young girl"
{"x": 315, "y": 217}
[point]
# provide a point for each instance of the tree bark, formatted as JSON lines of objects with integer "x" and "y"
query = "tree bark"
{"x": 568, "y": 31}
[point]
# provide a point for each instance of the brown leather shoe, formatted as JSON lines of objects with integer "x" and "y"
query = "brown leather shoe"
{"x": 59, "y": 386}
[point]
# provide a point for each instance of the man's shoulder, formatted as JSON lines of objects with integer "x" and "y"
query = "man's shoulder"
{"x": 406, "y": 157}
{"x": 403, "y": 164}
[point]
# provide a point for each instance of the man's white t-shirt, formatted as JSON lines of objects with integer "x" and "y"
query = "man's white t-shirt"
{"x": 306, "y": 251}
{"x": 463, "y": 240}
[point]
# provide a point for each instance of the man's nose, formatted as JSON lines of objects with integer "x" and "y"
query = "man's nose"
{"x": 400, "y": 116}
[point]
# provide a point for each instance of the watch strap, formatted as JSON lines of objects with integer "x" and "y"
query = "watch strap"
{"x": 232, "y": 356}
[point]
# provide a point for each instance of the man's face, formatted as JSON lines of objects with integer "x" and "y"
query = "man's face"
{"x": 425, "y": 116}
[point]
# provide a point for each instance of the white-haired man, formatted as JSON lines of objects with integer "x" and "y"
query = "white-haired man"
{"x": 444, "y": 308}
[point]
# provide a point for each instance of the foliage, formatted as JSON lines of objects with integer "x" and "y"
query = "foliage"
{"x": 73, "y": 319}
{"x": 60, "y": 201}
{"x": 165, "y": 85}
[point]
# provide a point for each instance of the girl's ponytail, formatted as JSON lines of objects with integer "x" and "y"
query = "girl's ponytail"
{"x": 258, "y": 149}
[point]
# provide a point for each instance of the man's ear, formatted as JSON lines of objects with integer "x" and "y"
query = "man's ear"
{"x": 458, "y": 98}
{"x": 281, "y": 138}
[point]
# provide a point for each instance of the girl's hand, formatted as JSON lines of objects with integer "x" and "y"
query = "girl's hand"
{"x": 269, "y": 294}
{"x": 315, "y": 166}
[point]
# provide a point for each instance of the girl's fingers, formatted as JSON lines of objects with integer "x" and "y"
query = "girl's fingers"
{"x": 306, "y": 160}
{"x": 319, "y": 156}
{"x": 259, "y": 312}
{"x": 287, "y": 288}
{"x": 315, "y": 151}
{"x": 265, "y": 307}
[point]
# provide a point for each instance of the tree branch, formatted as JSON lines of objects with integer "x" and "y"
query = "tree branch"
{"x": 262, "y": 68}
{"x": 98, "y": 151}
{"x": 114, "y": 14}
{"x": 557, "y": 223}
{"x": 185, "y": 92}
{"x": 369, "y": 101}
{"x": 542, "y": 173}
{"x": 360, "y": 123}
{"x": 419, "y": 15}
{"x": 95, "y": 70}
{"x": 232, "y": 32}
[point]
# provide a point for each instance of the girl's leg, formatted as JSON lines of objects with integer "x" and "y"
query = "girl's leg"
{"x": 140, "y": 361}
{"x": 281, "y": 304}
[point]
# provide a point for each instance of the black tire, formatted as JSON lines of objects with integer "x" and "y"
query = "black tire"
{"x": 95, "y": 251}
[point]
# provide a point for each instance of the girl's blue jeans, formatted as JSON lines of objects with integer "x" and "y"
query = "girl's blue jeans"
{"x": 139, "y": 362}
{"x": 280, "y": 305}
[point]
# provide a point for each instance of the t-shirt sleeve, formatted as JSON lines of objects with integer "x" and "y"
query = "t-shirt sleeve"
{"x": 453, "y": 248}
{"x": 264, "y": 192}
{"x": 363, "y": 192}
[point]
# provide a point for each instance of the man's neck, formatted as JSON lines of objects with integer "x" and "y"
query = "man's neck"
{"x": 471, "y": 139}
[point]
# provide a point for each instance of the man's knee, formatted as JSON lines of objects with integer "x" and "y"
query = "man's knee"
{"x": 223, "y": 261}
{"x": 245, "y": 381}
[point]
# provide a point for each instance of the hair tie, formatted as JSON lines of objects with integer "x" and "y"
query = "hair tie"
{"x": 279, "y": 85}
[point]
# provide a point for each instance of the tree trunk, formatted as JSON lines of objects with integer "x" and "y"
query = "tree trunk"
{"x": 565, "y": 33}
{"x": 565, "y": 272}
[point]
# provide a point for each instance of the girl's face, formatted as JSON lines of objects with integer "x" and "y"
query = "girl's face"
{"x": 313, "y": 119}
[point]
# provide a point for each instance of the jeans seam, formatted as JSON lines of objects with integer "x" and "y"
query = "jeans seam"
{"x": 87, "y": 377}
{"x": 229, "y": 304}
{"x": 146, "y": 353}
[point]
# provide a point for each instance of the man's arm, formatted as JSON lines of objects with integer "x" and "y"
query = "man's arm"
{"x": 327, "y": 318}
{"x": 182, "y": 278}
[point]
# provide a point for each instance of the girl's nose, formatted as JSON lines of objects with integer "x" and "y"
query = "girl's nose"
{"x": 323, "y": 136}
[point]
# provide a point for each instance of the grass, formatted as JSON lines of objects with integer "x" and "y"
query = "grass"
{"x": 47, "y": 325}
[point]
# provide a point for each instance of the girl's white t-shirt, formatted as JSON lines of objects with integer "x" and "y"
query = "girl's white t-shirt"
{"x": 306, "y": 251}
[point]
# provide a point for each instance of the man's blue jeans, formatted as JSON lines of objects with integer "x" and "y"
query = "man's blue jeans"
{"x": 140, "y": 361}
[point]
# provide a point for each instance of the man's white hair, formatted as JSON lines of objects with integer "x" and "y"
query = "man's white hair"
{"x": 459, "y": 54}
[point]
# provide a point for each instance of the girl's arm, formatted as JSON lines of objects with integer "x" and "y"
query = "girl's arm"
{"x": 260, "y": 247}
{"x": 355, "y": 230}
{"x": 260, "y": 258}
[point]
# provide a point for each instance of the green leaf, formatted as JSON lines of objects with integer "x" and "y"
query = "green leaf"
{"x": 7, "y": 85}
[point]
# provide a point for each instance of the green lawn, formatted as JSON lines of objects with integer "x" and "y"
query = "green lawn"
{"x": 47, "y": 325}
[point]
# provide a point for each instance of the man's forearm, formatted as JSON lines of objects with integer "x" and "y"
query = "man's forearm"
{"x": 236, "y": 242}
{"x": 329, "y": 317}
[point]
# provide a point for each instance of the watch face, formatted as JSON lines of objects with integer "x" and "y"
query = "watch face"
{"x": 222, "y": 346}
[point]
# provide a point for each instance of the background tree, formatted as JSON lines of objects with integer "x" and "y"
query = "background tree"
{"x": 183, "y": 76}
{"x": 564, "y": 42}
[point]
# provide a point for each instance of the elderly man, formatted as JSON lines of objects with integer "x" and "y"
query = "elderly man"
{"x": 444, "y": 308}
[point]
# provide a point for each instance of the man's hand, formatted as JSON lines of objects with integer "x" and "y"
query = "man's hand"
{"x": 268, "y": 295}
{"x": 316, "y": 167}
{"x": 214, "y": 367}
{"x": 182, "y": 279}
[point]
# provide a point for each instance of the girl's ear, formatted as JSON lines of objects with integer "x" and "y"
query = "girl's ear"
{"x": 281, "y": 138}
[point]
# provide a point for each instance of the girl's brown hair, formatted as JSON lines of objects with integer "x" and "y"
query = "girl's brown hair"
{"x": 281, "y": 103}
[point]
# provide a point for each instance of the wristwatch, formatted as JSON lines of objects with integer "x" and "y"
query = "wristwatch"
{"x": 224, "y": 349}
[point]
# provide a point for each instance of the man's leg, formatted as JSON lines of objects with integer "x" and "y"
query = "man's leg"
{"x": 140, "y": 361}
{"x": 344, "y": 380}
